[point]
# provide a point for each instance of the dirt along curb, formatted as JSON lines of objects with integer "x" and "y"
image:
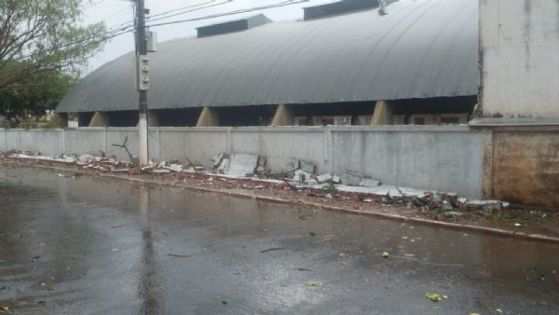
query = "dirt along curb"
{"x": 301, "y": 201}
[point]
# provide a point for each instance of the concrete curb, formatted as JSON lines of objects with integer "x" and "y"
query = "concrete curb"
{"x": 397, "y": 217}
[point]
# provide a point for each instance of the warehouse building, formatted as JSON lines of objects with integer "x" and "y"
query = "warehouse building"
{"x": 352, "y": 62}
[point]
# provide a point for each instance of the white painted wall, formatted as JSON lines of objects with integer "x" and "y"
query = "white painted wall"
{"x": 520, "y": 58}
{"x": 444, "y": 158}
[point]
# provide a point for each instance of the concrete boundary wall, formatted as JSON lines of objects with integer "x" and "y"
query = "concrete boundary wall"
{"x": 428, "y": 157}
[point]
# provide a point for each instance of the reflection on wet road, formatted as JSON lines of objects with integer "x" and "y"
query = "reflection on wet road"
{"x": 94, "y": 246}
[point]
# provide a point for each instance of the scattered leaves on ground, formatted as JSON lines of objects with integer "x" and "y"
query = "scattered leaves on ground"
{"x": 313, "y": 284}
{"x": 435, "y": 297}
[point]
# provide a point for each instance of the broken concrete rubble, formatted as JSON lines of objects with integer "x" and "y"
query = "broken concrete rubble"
{"x": 307, "y": 166}
{"x": 199, "y": 168}
{"x": 384, "y": 190}
{"x": 369, "y": 182}
{"x": 302, "y": 177}
{"x": 324, "y": 178}
{"x": 218, "y": 159}
{"x": 292, "y": 165}
{"x": 487, "y": 205}
{"x": 354, "y": 178}
{"x": 243, "y": 165}
{"x": 175, "y": 167}
{"x": 223, "y": 166}
{"x": 86, "y": 158}
{"x": 239, "y": 164}
{"x": 351, "y": 178}
{"x": 261, "y": 167}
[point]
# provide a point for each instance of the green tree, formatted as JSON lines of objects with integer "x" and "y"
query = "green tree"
{"x": 43, "y": 36}
{"x": 39, "y": 93}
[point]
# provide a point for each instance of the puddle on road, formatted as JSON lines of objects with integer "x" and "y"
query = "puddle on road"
{"x": 58, "y": 232}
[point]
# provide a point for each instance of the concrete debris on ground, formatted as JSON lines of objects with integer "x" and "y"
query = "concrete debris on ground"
{"x": 242, "y": 165}
{"x": 262, "y": 165}
{"x": 301, "y": 176}
{"x": 239, "y": 164}
{"x": 292, "y": 165}
{"x": 487, "y": 205}
{"x": 355, "y": 178}
{"x": 351, "y": 178}
{"x": 218, "y": 159}
{"x": 167, "y": 167}
{"x": 369, "y": 182}
{"x": 307, "y": 166}
{"x": 384, "y": 190}
{"x": 224, "y": 166}
{"x": 324, "y": 178}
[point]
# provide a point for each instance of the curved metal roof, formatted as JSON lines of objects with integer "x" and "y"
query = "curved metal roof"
{"x": 421, "y": 49}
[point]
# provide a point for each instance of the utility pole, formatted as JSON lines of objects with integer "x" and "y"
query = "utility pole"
{"x": 143, "y": 80}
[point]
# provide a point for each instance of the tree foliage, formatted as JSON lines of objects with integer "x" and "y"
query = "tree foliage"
{"x": 43, "y": 37}
{"x": 41, "y": 92}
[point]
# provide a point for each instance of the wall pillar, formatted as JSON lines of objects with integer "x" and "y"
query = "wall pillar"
{"x": 208, "y": 118}
{"x": 382, "y": 114}
{"x": 99, "y": 119}
{"x": 73, "y": 120}
{"x": 519, "y": 40}
{"x": 282, "y": 117}
{"x": 521, "y": 165}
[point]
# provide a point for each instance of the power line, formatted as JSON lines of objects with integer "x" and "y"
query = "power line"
{"x": 271, "y": 6}
{"x": 181, "y": 9}
{"x": 183, "y": 12}
{"x": 212, "y": 16}
{"x": 130, "y": 28}
{"x": 177, "y": 12}
{"x": 108, "y": 36}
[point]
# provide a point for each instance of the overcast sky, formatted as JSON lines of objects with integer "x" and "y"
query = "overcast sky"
{"x": 116, "y": 12}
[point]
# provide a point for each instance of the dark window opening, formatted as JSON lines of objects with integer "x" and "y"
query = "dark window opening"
{"x": 450, "y": 120}
{"x": 458, "y": 105}
{"x": 84, "y": 119}
{"x": 346, "y": 113}
{"x": 245, "y": 116}
{"x": 187, "y": 117}
{"x": 123, "y": 118}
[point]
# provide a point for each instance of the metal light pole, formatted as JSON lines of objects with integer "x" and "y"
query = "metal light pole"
{"x": 143, "y": 81}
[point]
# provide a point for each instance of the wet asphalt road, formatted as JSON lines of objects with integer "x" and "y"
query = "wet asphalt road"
{"x": 96, "y": 246}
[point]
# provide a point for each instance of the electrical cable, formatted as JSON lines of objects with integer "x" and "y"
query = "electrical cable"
{"x": 130, "y": 28}
{"x": 240, "y": 11}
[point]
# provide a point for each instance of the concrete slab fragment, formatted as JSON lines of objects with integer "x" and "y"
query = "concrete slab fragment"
{"x": 301, "y": 176}
{"x": 369, "y": 182}
{"x": 324, "y": 178}
{"x": 352, "y": 178}
{"x": 307, "y": 166}
{"x": 243, "y": 164}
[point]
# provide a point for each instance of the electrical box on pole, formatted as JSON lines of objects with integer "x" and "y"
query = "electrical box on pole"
{"x": 143, "y": 73}
{"x": 151, "y": 41}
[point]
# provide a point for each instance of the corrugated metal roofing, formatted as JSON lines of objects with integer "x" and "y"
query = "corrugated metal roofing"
{"x": 421, "y": 49}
